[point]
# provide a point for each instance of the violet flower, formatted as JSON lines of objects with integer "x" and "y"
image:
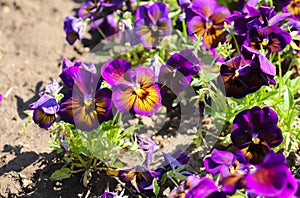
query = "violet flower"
{"x": 139, "y": 177}
{"x": 184, "y": 3}
{"x": 90, "y": 9}
{"x": 178, "y": 71}
{"x": 0, "y": 97}
{"x": 255, "y": 131}
{"x": 241, "y": 77}
{"x": 206, "y": 18}
{"x": 225, "y": 163}
{"x": 73, "y": 28}
{"x": 193, "y": 186}
{"x": 85, "y": 105}
{"x": 51, "y": 89}
{"x": 152, "y": 24}
{"x": 149, "y": 146}
{"x": 107, "y": 25}
{"x": 44, "y": 112}
{"x": 108, "y": 195}
{"x": 291, "y": 6}
{"x": 272, "y": 178}
{"x": 269, "y": 38}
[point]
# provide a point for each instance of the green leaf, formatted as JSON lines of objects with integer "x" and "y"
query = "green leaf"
{"x": 288, "y": 99}
{"x": 156, "y": 187}
{"x": 60, "y": 174}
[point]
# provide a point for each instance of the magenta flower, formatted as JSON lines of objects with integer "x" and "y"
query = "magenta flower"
{"x": 206, "y": 19}
{"x": 45, "y": 109}
{"x": 177, "y": 73}
{"x": 255, "y": 131}
{"x": 272, "y": 178}
{"x": 225, "y": 163}
{"x": 73, "y": 28}
{"x": 241, "y": 77}
{"x": 0, "y": 97}
{"x": 108, "y": 195}
{"x": 90, "y": 9}
{"x": 193, "y": 186}
{"x": 152, "y": 24}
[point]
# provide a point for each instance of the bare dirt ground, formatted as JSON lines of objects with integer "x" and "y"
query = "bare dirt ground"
{"x": 32, "y": 46}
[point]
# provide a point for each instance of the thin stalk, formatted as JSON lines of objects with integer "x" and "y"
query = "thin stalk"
{"x": 236, "y": 44}
{"x": 184, "y": 28}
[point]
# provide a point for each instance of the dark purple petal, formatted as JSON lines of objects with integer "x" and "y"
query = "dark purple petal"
{"x": 211, "y": 166}
{"x": 107, "y": 25}
{"x": 42, "y": 119}
{"x": 73, "y": 28}
{"x": 278, "y": 18}
{"x": 113, "y": 71}
{"x": 184, "y": 3}
{"x": 88, "y": 9}
{"x": 142, "y": 12}
{"x": 231, "y": 183}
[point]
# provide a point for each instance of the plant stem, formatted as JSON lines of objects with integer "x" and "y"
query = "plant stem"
{"x": 184, "y": 28}
{"x": 236, "y": 45}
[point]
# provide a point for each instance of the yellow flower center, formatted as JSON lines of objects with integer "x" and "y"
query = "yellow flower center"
{"x": 265, "y": 42}
{"x": 255, "y": 140}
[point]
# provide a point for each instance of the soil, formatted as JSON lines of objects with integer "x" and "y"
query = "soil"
{"x": 32, "y": 45}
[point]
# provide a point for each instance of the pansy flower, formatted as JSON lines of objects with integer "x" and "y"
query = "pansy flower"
{"x": 85, "y": 105}
{"x": 272, "y": 178}
{"x": 177, "y": 73}
{"x": 255, "y": 131}
{"x": 225, "y": 163}
{"x": 193, "y": 186}
{"x": 107, "y": 25}
{"x": 44, "y": 112}
{"x": 184, "y": 3}
{"x": 206, "y": 19}
{"x": 149, "y": 146}
{"x": 73, "y": 28}
{"x": 89, "y": 9}
{"x": 139, "y": 93}
{"x": 291, "y": 6}
{"x": 269, "y": 38}
{"x": 152, "y": 24}
{"x": 241, "y": 77}
{"x": 139, "y": 177}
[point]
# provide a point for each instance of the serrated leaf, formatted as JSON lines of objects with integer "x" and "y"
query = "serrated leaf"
{"x": 60, "y": 174}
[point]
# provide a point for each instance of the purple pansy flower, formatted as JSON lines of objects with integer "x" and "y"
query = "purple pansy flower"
{"x": 206, "y": 18}
{"x": 225, "y": 163}
{"x": 241, "y": 77}
{"x": 139, "y": 177}
{"x": 51, "y": 89}
{"x": 85, "y": 105}
{"x": 291, "y": 6}
{"x": 177, "y": 73}
{"x": 90, "y": 9}
{"x": 108, "y": 195}
{"x": 73, "y": 28}
{"x": 184, "y": 3}
{"x": 149, "y": 146}
{"x": 269, "y": 38}
{"x": 193, "y": 186}
{"x": 152, "y": 24}
{"x": 107, "y": 25}
{"x": 44, "y": 112}
{"x": 255, "y": 131}
{"x": 272, "y": 178}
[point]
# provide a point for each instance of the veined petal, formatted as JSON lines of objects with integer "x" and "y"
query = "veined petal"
{"x": 42, "y": 119}
{"x": 123, "y": 97}
{"x": 157, "y": 11}
{"x": 204, "y": 7}
{"x": 145, "y": 76}
{"x": 113, "y": 71}
{"x": 46, "y": 103}
{"x": 149, "y": 102}
{"x": 164, "y": 25}
{"x": 219, "y": 15}
{"x": 142, "y": 12}
{"x": 196, "y": 26}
